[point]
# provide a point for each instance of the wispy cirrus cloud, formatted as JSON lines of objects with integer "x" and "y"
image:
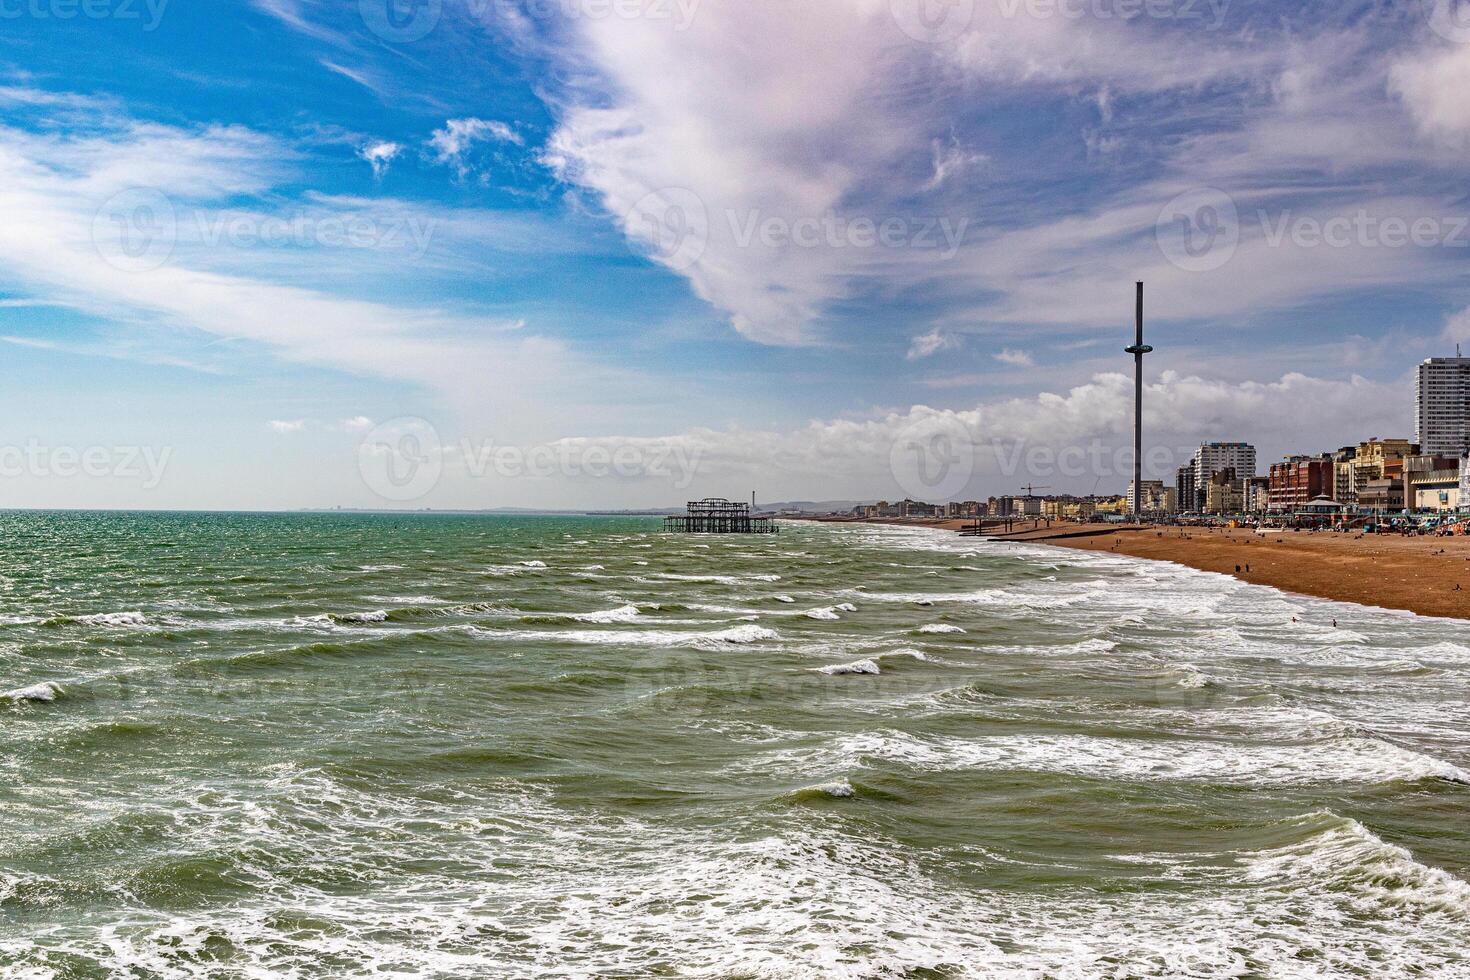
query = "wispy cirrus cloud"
{"x": 453, "y": 145}
{"x": 89, "y": 227}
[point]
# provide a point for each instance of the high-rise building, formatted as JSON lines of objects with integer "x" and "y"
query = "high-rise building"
{"x": 1184, "y": 488}
{"x": 1215, "y": 457}
{"x": 1442, "y": 406}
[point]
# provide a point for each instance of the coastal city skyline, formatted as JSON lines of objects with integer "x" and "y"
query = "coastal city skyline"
{"x": 398, "y": 229}
{"x": 1428, "y": 473}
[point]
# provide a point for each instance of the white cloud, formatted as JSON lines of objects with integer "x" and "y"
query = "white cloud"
{"x": 1015, "y": 358}
{"x": 452, "y": 144}
{"x": 1457, "y": 328}
{"x": 286, "y": 426}
{"x": 353, "y": 74}
{"x": 1074, "y": 440}
{"x": 931, "y": 343}
{"x": 380, "y": 155}
{"x": 1434, "y": 85}
{"x": 675, "y": 156}
{"x": 357, "y": 423}
{"x": 952, "y": 160}
{"x": 842, "y": 115}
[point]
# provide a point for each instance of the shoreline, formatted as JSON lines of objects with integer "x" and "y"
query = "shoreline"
{"x": 1414, "y": 574}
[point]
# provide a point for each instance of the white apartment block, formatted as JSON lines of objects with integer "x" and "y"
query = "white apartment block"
{"x": 1213, "y": 457}
{"x": 1442, "y": 406}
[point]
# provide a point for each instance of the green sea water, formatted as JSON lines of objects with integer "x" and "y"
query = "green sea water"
{"x": 251, "y": 746}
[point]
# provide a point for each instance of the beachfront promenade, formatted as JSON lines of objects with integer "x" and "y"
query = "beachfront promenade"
{"x": 1420, "y": 574}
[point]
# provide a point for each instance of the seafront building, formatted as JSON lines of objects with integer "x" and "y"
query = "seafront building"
{"x": 1442, "y": 406}
{"x": 1192, "y": 482}
{"x": 1225, "y": 493}
{"x": 1258, "y": 495}
{"x": 1343, "y": 488}
{"x": 1184, "y": 488}
{"x": 1299, "y": 480}
{"x": 1157, "y": 498}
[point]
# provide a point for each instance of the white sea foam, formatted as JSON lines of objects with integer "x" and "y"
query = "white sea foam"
{"x": 717, "y": 579}
{"x": 1193, "y": 678}
{"x": 940, "y": 628}
{"x": 1444, "y": 650}
{"x": 45, "y": 691}
{"x": 869, "y": 665}
{"x": 1346, "y": 854}
{"x": 783, "y": 598}
{"x": 743, "y": 634}
{"x": 1341, "y": 760}
{"x": 582, "y": 894}
{"x": 856, "y": 667}
{"x": 622, "y": 614}
{"x": 830, "y": 612}
{"x": 352, "y": 618}
{"x": 839, "y": 789}
{"x": 113, "y": 619}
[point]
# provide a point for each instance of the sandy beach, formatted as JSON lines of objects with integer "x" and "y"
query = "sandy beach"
{"x": 1416, "y": 574}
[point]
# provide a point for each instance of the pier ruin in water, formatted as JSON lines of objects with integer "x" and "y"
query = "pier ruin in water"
{"x": 719, "y": 516}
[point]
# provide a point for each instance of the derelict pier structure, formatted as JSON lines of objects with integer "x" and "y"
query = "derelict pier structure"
{"x": 717, "y": 515}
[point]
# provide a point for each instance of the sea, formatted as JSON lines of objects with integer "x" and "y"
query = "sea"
{"x": 433, "y": 746}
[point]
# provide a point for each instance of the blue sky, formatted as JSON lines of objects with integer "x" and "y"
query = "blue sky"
{"x": 290, "y": 246}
